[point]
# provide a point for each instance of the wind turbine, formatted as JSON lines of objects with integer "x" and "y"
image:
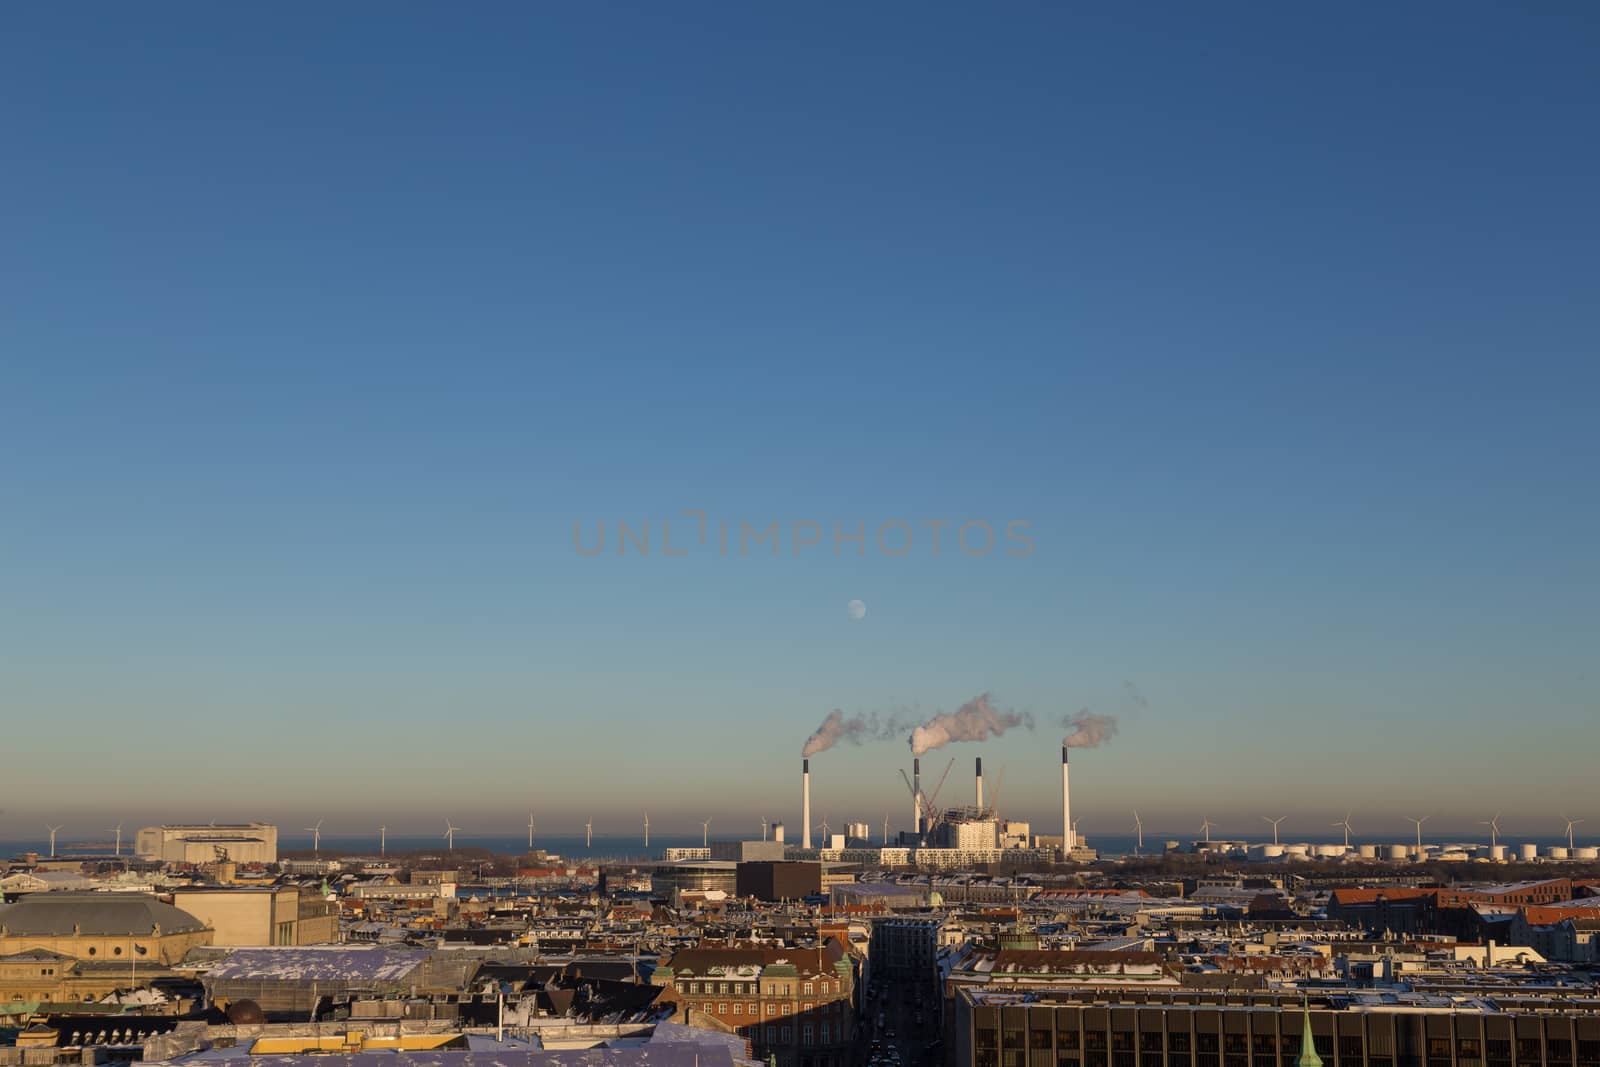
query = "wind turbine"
{"x": 316, "y": 836}
{"x": 1493, "y": 823}
{"x": 52, "y": 830}
{"x": 1138, "y": 828}
{"x": 1274, "y": 822}
{"x": 1571, "y": 822}
{"x": 1419, "y": 823}
{"x": 530, "y": 831}
{"x": 449, "y": 835}
{"x": 117, "y": 829}
{"x": 588, "y": 832}
{"x": 647, "y": 830}
{"x": 1345, "y": 824}
{"x": 1205, "y": 828}
{"x": 383, "y": 840}
{"x": 823, "y": 826}
{"x": 705, "y": 834}
{"x": 885, "y": 829}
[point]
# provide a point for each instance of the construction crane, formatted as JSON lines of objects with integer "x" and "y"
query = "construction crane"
{"x": 930, "y": 813}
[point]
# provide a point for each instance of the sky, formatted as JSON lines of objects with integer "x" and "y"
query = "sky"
{"x": 321, "y": 331}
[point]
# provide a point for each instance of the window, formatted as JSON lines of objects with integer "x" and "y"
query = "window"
{"x": 772, "y": 1009}
{"x": 722, "y": 1009}
{"x": 824, "y": 1033}
{"x": 772, "y": 1034}
{"x": 807, "y": 989}
{"x": 806, "y": 1034}
{"x": 738, "y": 1008}
{"x": 788, "y": 1034}
{"x": 1066, "y": 1039}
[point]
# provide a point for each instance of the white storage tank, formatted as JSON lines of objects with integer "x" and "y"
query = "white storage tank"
{"x": 1368, "y": 852}
{"x": 1558, "y": 852}
{"x": 1498, "y": 853}
{"x": 1528, "y": 852}
{"x": 1397, "y": 852}
{"x": 1586, "y": 852}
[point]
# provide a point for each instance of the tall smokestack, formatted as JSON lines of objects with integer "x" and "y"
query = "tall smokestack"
{"x": 916, "y": 796}
{"x": 805, "y": 803}
{"x": 980, "y": 783}
{"x": 1068, "y": 841}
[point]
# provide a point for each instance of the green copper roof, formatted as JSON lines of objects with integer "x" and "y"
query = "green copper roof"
{"x": 1308, "y": 1045}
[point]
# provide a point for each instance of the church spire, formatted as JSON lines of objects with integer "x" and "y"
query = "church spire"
{"x": 1308, "y": 1045}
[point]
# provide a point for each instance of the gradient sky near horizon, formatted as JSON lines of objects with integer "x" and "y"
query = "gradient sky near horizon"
{"x": 319, "y": 330}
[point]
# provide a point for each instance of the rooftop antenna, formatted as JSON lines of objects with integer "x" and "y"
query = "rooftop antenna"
{"x": 1493, "y": 823}
{"x": 1345, "y": 823}
{"x": 52, "y": 830}
{"x": 1138, "y": 828}
{"x": 449, "y": 835}
{"x": 316, "y": 836}
{"x": 1571, "y": 822}
{"x": 1205, "y": 828}
{"x": 1419, "y": 823}
{"x": 705, "y": 834}
{"x": 1274, "y": 822}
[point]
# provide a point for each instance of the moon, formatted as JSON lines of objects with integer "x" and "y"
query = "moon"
{"x": 857, "y": 609}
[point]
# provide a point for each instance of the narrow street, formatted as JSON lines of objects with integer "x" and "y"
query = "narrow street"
{"x": 900, "y": 1025}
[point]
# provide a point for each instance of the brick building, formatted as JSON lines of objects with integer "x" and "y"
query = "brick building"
{"x": 795, "y": 1004}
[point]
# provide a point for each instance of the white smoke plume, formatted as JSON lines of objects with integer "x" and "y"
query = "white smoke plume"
{"x": 836, "y": 728}
{"x": 975, "y": 720}
{"x": 1086, "y": 729}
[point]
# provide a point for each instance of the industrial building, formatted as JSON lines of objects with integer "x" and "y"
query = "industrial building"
{"x": 745, "y": 851}
{"x": 239, "y": 842}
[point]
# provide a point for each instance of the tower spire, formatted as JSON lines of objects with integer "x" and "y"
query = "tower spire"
{"x": 1308, "y": 1044}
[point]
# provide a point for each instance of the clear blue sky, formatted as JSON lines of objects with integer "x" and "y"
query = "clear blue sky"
{"x": 320, "y": 328}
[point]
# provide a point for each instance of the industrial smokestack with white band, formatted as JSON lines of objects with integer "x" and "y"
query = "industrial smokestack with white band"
{"x": 916, "y": 797}
{"x": 980, "y": 783}
{"x": 805, "y": 803}
{"x": 1067, "y": 842}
